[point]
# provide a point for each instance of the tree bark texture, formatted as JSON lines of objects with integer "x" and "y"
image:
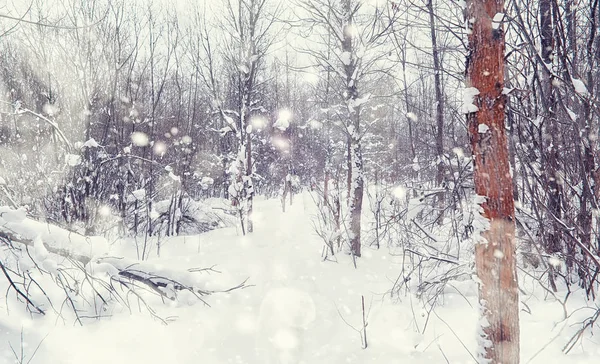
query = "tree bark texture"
{"x": 495, "y": 254}
{"x": 355, "y": 173}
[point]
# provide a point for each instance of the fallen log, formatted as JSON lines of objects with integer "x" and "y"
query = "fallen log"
{"x": 17, "y": 231}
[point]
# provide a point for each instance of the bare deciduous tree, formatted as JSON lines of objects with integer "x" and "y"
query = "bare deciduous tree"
{"x": 495, "y": 252}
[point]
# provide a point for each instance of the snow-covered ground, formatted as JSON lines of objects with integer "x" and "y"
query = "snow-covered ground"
{"x": 298, "y": 309}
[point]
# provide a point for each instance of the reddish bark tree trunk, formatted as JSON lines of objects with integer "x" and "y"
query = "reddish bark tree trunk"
{"x": 495, "y": 254}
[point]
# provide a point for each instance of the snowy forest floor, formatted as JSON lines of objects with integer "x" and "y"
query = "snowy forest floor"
{"x": 298, "y": 309}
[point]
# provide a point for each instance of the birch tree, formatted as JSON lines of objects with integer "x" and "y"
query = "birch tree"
{"x": 356, "y": 37}
{"x": 248, "y": 28}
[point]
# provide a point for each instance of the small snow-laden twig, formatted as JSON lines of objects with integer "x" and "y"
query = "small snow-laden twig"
{"x": 550, "y": 292}
{"x": 362, "y": 331}
{"x": 19, "y": 292}
{"x": 587, "y": 324}
{"x": 324, "y": 224}
{"x": 432, "y": 289}
{"x": 8, "y": 196}
{"x": 427, "y": 256}
{"x": 20, "y": 358}
{"x": 456, "y": 336}
{"x": 559, "y": 334}
{"x": 52, "y": 123}
{"x": 364, "y": 322}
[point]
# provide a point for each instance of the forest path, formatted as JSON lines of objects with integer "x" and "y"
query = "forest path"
{"x": 283, "y": 258}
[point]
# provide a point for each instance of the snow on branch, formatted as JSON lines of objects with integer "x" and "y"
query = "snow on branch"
{"x": 43, "y": 243}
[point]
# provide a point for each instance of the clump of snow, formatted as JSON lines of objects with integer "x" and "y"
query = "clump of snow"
{"x": 353, "y": 104}
{"x": 498, "y": 18}
{"x": 73, "y": 159}
{"x": 315, "y": 124}
{"x": 283, "y": 119}
{"x": 468, "y": 100}
{"x": 555, "y": 261}
{"x": 415, "y": 164}
{"x": 206, "y": 182}
{"x": 415, "y": 206}
{"x": 346, "y": 58}
{"x": 579, "y": 86}
{"x": 174, "y": 177}
{"x": 140, "y": 194}
{"x": 232, "y": 190}
{"x": 483, "y": 340}
{"x": 498, "y": 254}
{"x": 91, "y": 143}
{"x": 572, "y": 115}
{"x": 480, "y": 223}
{"x": 9, "y": 215}
{"x": 412, "y": 116}
{"x": 50, "y": 109}
{"x": 459, "y": 152}
{"x": 483, "y": 128}
{"x": 229, "y": 120}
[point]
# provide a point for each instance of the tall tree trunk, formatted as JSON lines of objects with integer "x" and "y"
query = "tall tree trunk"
{"x": 439, "y": 109}
{"x": 357, "y": 191}
{"x": 495, "y": 252}
{"x": 553, "y": 239}
{"x": 249, "y": 185}
{"x": 589, "y": 126}
{"x": 355, "y": 174}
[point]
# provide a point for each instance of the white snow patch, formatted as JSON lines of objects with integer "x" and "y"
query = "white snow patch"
{"x": 346, "y": 58}
{"x": 92, "y": 143}
{"x": 480, "y": 223}
{"x": 73, "y": 159}
{"x": 140, "y": 194}
{"x": 283, "y": 120}
{"x": 572, "y": 114}
{"x": 498, "y": 19}
{"x": 412, "y": 116}
{"x": 468, "y": 98}
{"x": 580, "y": 87}
{"x": 353, "y": 104}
